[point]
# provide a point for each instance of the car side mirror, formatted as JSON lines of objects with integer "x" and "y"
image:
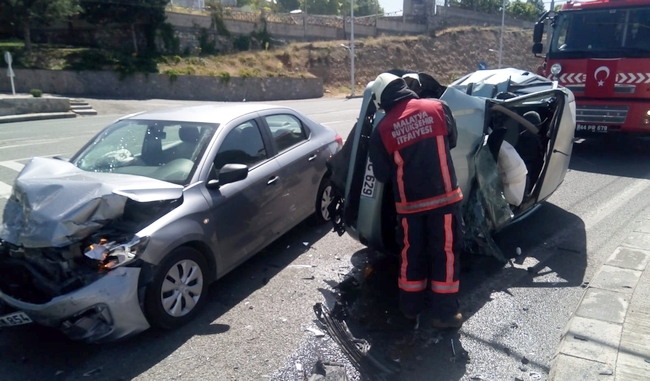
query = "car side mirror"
{"x": 538, "y": 32}
{"x": 538, "y": 47}
{"x": 229, "y": 173}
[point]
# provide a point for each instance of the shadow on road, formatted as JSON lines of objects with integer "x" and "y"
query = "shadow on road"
{"x": 37, "y": 353}
{"x": 627, "y": 157}
{"x": 552, "y": 237}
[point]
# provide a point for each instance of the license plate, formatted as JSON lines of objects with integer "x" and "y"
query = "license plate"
{"x": 368, "y": 189}
{"x": 16, "y": 318}
{"x": 591, "y": 128}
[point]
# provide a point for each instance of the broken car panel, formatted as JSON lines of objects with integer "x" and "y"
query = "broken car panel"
{"x": 494, "y": 110}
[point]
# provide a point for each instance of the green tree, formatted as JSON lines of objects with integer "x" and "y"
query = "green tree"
{"x": 557, "y": 7}
{"x": 321, "y": 7}
{"x": 288, "y": 5}
{"x": 149, "y": 13}
{"x": 539, "y": 6}
{"x": 29, "y": 12}
{"x": 361, "y": 7}
{"x": 485, "y": 6}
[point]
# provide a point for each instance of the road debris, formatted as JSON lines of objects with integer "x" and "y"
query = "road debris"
{"x": 371, "y": 365}
{"x": 606, "y": 372}
{"x": 518, "y": 250}
{"x": 298, "y": 367}
{"x": 535, "y": 376}
{"x": 58, "y": 373}
{"x": 453, "y": 348}
{"x": 93, "y": 372}
{"x": 306, "y": 243}
{"x": 328, "y": 371}
{"x": 525, "y": 361}
{"x": 647, "y": 360}
{"x": 316, "y": 332}
{"x": 310, "y": 278}
{"x": 581, "y": 338}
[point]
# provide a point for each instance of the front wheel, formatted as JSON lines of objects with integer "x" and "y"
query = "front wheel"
{"x": 324, "y": 198}
{"x": 178, "y": 290}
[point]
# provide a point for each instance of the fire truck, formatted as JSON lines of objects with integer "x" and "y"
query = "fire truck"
{"x": 600, "y": 50}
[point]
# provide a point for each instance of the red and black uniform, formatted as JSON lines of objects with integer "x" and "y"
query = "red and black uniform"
{"x": 411, "y": 148}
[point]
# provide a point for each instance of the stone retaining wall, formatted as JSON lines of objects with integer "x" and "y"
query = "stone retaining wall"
{"x": 28, "y": 105}
{"x": 161, "y": 86}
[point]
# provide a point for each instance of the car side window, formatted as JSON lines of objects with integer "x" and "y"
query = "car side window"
{"x": 287, "y": 130}
{"x": 242, "y": 145}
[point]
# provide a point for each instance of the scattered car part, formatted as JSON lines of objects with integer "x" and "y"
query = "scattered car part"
{"x": 357, "y": 350}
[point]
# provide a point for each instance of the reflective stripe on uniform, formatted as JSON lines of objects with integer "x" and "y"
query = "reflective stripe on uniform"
{"x": 429, "y": 203}
{"x": 444, "y": 167}
{"x": 445, "y": 287}
{"x": 412, "y": 286}
{"x": 449, "y": 242}
{"x": 400, "y": 175}
{"x": 407, "y": 245}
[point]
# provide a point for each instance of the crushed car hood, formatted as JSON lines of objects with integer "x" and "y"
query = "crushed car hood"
{"x": 54, "y": 203}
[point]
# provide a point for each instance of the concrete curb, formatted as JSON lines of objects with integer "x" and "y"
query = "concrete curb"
{"x": 32, "y": 117}
{"x": 608, "y": 335}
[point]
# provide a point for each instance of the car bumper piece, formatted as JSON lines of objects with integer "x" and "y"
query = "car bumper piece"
{"x": 105, "y": 310}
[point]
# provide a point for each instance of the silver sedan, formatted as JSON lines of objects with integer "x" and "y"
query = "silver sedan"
{"x": 130, "y": 231}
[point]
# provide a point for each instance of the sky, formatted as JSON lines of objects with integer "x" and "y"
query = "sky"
{"x": 391, "y": 5}
{"x": 397, "y": 5}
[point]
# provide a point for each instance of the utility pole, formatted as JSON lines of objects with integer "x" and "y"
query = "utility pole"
{"x": 503, "y": 20}
{"x": 549, "y": 32}
{"x": 352, "y": 44}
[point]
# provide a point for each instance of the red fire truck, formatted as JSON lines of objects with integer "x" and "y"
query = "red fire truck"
{"x": 600, "y": 50}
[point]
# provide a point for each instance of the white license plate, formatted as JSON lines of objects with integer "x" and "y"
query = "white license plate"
{"x": 16, "y": 318}
{"x": 368, "y": 189}
{"x": 591, "y": 128}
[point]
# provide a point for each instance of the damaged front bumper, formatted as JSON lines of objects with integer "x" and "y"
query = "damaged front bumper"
{"x": 105, "y": 310}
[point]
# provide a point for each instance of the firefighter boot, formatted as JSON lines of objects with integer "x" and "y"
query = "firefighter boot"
{"x": 454, "y": 321}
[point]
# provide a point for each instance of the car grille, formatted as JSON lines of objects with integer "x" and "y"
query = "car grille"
{"x": 618, "y": 89}
{"x": 601, "y": 114}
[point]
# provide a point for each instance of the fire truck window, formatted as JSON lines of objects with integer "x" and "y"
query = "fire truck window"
{"x": 638, "y": 29}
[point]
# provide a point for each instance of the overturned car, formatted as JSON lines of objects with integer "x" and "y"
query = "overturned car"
{"x": 515, "y": 139}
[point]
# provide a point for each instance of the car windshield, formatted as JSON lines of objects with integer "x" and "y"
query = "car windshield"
{"x": 608, "y": 33}
{"x": 163, "y": 150}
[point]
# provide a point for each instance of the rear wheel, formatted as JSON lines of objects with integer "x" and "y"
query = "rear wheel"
{"x": 178, "y": 290}
{"x": 324, "y": 198}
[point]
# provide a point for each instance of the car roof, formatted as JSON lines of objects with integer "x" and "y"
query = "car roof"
{"x": 211, "y": 113}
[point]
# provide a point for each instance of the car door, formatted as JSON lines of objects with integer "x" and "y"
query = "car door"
{"x": 244, "y": 212}
{"x": 560, "y": 134}
{"x": 298, "y": 159}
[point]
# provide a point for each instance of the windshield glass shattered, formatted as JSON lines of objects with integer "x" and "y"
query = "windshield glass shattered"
{"x": 603, "y": 33}
{"x": 162, "y": 150}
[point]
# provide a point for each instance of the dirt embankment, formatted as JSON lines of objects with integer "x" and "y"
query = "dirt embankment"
{"x": 451, "y": 53}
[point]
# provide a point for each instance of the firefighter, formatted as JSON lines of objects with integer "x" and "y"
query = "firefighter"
{"x": 410, "y": 149}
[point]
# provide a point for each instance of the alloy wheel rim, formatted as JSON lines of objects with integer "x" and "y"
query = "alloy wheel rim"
{"x": 325, "y": 201}
{"x": 181, "y": 288}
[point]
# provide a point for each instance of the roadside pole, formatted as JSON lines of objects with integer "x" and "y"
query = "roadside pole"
{"x": 10, "y": 72}
{"x": 503, "y": 21}
{"x": 352, "y": 45}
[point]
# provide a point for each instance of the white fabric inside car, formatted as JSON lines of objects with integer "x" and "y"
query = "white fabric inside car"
{"x": 512, "y": 171}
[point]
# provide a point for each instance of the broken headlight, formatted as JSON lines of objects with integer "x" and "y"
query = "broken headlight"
{"x": 112, "y": 254}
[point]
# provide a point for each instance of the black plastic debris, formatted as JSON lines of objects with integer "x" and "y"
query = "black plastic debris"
{"x": 358, "y": 351}
{"x": 328, "y": 371}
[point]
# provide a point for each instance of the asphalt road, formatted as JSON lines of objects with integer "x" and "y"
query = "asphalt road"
{"x": 254, "y": 328}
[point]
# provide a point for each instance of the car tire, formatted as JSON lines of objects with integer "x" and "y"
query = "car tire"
{"x": 324, "y": 198}
{"x": 181, "y": 277}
